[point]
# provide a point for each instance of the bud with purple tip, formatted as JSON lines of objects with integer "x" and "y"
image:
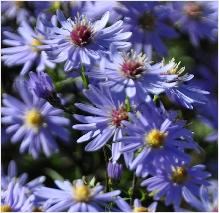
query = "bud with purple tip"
{"x": 41, "y": 84}
{"x": 114, "y": 171}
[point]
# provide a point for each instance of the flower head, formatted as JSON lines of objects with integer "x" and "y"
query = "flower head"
{"x": 198, "y": 19}
{"x": 148, "y": 21}
{"x": 174, "y": 179}
{"x": 80, "y": 41}
{"x": 76, "y": 197}
{"x": 33, "y": 121}
{"x": 138, "y": 207}
{"x": 107, "y": 111}
{"x": 26, "y": 48}
{"x": 155, "y": 136}
{"x": 208, "y": 198}
{"x": 15, "y": 199}
{"x": 132, "y": 73}
{"x": 181, "y": 91}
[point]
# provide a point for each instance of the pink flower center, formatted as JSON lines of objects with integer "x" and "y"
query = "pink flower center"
{"x": 193, "y": 10}
{"x": 215, "y": 209}
{"x": 131, "y": 68}
{"x": 119, "y": 115}
{"x": 81, "y": 35}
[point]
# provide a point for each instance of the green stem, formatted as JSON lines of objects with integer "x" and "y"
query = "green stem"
{"x": 133, "y": 189}
{"x": 106, "y": 174}
{"x": 59, "y": 85}
{"x": 56, "y": 102}
{"x": 84, "y": 77}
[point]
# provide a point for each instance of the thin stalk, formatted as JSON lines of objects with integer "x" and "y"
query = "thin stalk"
{"x": 106, "y": 174}
{"x": 84, "y": 77}
{"x": 133, "y": 189}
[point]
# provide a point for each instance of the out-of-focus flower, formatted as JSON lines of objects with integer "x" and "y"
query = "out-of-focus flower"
{"x": 80, "y": 41}
{"x": 21, "y": 179}
{"x": 34, "y": 121}
{"x": 134, "y": 74}
{"x": 78, "y": 197}
{"x": 148, "y": 21}
{"x": 208, "y": 201}
{"x": 15, "y": 199}
{"x": 157, "y": 137}
{"x": 27, "y": 186}
{"x": 41, "y": 84}
{"x": 108, "y": 112}
{"x": 208, "y": 114}
{"x": 198, "y": 19}
{"x": 86, "y": 7}
{"x": 174, "y": 179}
{"x": 13, "y": 9}
{"x": 182, "y": 92}
{"x": 26, "y": 48}
{"x": 114, "y": 171}
{"x": 125, "y": 207}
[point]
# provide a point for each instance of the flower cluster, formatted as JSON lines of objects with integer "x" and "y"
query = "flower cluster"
{"x": 92, "y": 73}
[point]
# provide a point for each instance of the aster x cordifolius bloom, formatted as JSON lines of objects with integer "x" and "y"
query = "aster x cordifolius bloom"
{"x": 21, "y": 179}
{"x": 15, "y": 199}
{"x": 108, "y": 112}
{"x": 133, "y": 73}
{"x": 156, "y": 136}
{"x": 79, "y": 41}
{"x": 34, "y": 122}
{"x": 174, "y": 179}
{"x": 138, "y": 207}
{"x": 208, "y": 201}
{"x": 76, "y": 197}
{"x": 182, "y": 92}
{"x": 198, "y": 19}
{"x": 26, "y": 48}
{"x": 148, "y": 21}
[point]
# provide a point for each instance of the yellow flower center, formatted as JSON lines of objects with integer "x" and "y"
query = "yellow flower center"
{"x": 81, "y": 193}
{"x": 6, "y": 208}
{"x": 34, "y": 118}
{"x": 56, "y": 5}
{"x": 35, "y": 43}
{"x": 155, "y": 138}
{"x": 140, "y": 209}
{"x": 179, "y": 175}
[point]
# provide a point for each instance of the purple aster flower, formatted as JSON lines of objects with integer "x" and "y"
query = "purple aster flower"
{"x": 114, "y": 171}
{"x": 182, "y": 92}
{"x": 198, "y": 19}
{"x": 15, "y": 199}
{"x": 26, "y": 48}
{"x": 125, "y": 207}
{"x": 84, "y": 7}
{"x": 21, "y": 179}
{"x": 76, "y": 197}
{"x": 156, "y": 136}
{"x": 148, "y": 21}
{"x": 41, "y": 84}
{"x": 134, "y": 74}
{"x": 108, "y": 112}
{"x": 208, "y": 201}
{"x": 13, "y": 9}
{"x": 208, "y": 114}
{"x": 80, "y": 41}
{"x": 34, "y": 122}
{"x": 174, "y": 179}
